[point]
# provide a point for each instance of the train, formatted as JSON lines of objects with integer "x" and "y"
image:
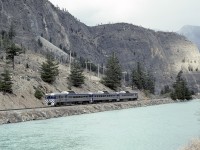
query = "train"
{"x": 70, "y": 97}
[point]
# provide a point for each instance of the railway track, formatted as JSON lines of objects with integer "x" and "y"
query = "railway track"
{"x": 25, "y": 108}
{"x": 44, "y": 107}
{"x": 61, "y": 106}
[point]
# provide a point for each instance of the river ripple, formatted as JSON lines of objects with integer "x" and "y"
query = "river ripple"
{"x": 162, "y": 127}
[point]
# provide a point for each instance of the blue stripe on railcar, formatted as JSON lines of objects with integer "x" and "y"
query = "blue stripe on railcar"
{"x": 61, "y": 98}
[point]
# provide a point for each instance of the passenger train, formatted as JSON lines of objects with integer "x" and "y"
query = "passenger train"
{"x": 70, "y": 97}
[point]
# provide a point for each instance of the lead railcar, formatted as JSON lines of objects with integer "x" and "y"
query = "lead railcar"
{"x": 64, "y": 98}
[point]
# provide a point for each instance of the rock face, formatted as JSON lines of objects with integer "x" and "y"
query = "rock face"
{"x": 165, "y": 54}
{"x": 192, "y": 33}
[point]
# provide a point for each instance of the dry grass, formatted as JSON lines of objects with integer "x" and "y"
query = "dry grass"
{"x": 193, "y": 145}
{"x": 26, "y": 79}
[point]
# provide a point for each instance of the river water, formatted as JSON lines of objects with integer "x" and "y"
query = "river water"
{"x": 162, "y": 127}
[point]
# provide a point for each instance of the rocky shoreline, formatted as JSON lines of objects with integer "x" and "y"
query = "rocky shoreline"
{"x": 16, "y": 116}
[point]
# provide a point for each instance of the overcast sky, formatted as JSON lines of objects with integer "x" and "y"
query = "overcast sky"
{"x": 167, "y": 15}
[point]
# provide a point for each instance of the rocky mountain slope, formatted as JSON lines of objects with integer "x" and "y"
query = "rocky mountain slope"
{"x": 192, "y": 33}
{"x": 164, "y": 53}
{"x": 27, "y": 79}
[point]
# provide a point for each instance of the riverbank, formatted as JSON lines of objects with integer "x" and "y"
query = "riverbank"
{"x": 16, "y": 116}
{"x": 193, "y": 145}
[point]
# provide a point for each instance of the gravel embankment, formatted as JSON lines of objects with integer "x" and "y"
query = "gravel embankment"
{"x": 55, "y": 112}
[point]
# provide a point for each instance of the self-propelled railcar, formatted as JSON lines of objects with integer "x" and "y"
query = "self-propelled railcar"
{"x": 64, "y": 98}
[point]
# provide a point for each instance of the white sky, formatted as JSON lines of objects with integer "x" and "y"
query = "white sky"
{"x": 167, "y": 15}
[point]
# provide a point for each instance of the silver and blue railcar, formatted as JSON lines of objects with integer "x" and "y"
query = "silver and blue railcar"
{"x": 56, "y": 99}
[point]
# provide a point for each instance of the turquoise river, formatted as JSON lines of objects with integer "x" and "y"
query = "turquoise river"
{"x": 162, "y": 127}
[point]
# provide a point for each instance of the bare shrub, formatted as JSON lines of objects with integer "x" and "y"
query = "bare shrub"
{"x": 193, "y": 145}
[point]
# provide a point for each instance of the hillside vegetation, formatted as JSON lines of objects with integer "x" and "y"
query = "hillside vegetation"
{"x": 162, "y": 53}
{"x": 26, "y": 79}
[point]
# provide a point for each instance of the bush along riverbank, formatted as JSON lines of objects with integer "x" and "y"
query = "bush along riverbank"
{"x": 16, "y": 116}
{"x": 193, "y": 145}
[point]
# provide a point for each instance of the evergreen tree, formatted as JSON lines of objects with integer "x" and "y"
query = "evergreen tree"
{"x": 181, "y": 90}
{"x": 5, "y": 82}
{"x": 49, "y": 70}
{"x": 11, "y": 32}
{"x": 136, "y": 79}
{"x": 5, "y": 40}
{"x": 150, "y": 83}
{"x": 165, "y": 90}
{"x": 76, "y": 77}
{"x": 12, "y": 51}
{"x": 142, "y": 80}
{"x": 38, "y": 93}
{"x": 113, "y": 74}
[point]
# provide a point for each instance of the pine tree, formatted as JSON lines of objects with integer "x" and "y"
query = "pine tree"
{"x": 136, "y": 79}
{"x": 113, "y": 74}
{"x": 150, "y": 82}
{"x": 12, "y": 51}
{"x": 5, "y": 82}
{"x": 76, "y": 77}
{"x": 49, "y": 70}
{"x": 5, "y": 40}
{"x": 11, "y": 32}
{"x": 142, "y": 80}
{"x": 38, "y": 93}
{"x": 181, "y": 90}
{"x": 165, "y": 90}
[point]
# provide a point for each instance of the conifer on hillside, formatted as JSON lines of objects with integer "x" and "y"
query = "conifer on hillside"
{"x": 113, "y": 74}
{"x": 6, "y": 82}
{"x": 181, "y": 90}
{"x": 12, "y": 51}
{"x": 49, "y": 70}
{"x": 11, "y": 32}
{"x": 38, "y": 93}
{"x": 142, "y": 80}
{"x": 76, "y": 76}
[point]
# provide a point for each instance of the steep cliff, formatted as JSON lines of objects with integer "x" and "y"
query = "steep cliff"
{"x": 164, "y": 53}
